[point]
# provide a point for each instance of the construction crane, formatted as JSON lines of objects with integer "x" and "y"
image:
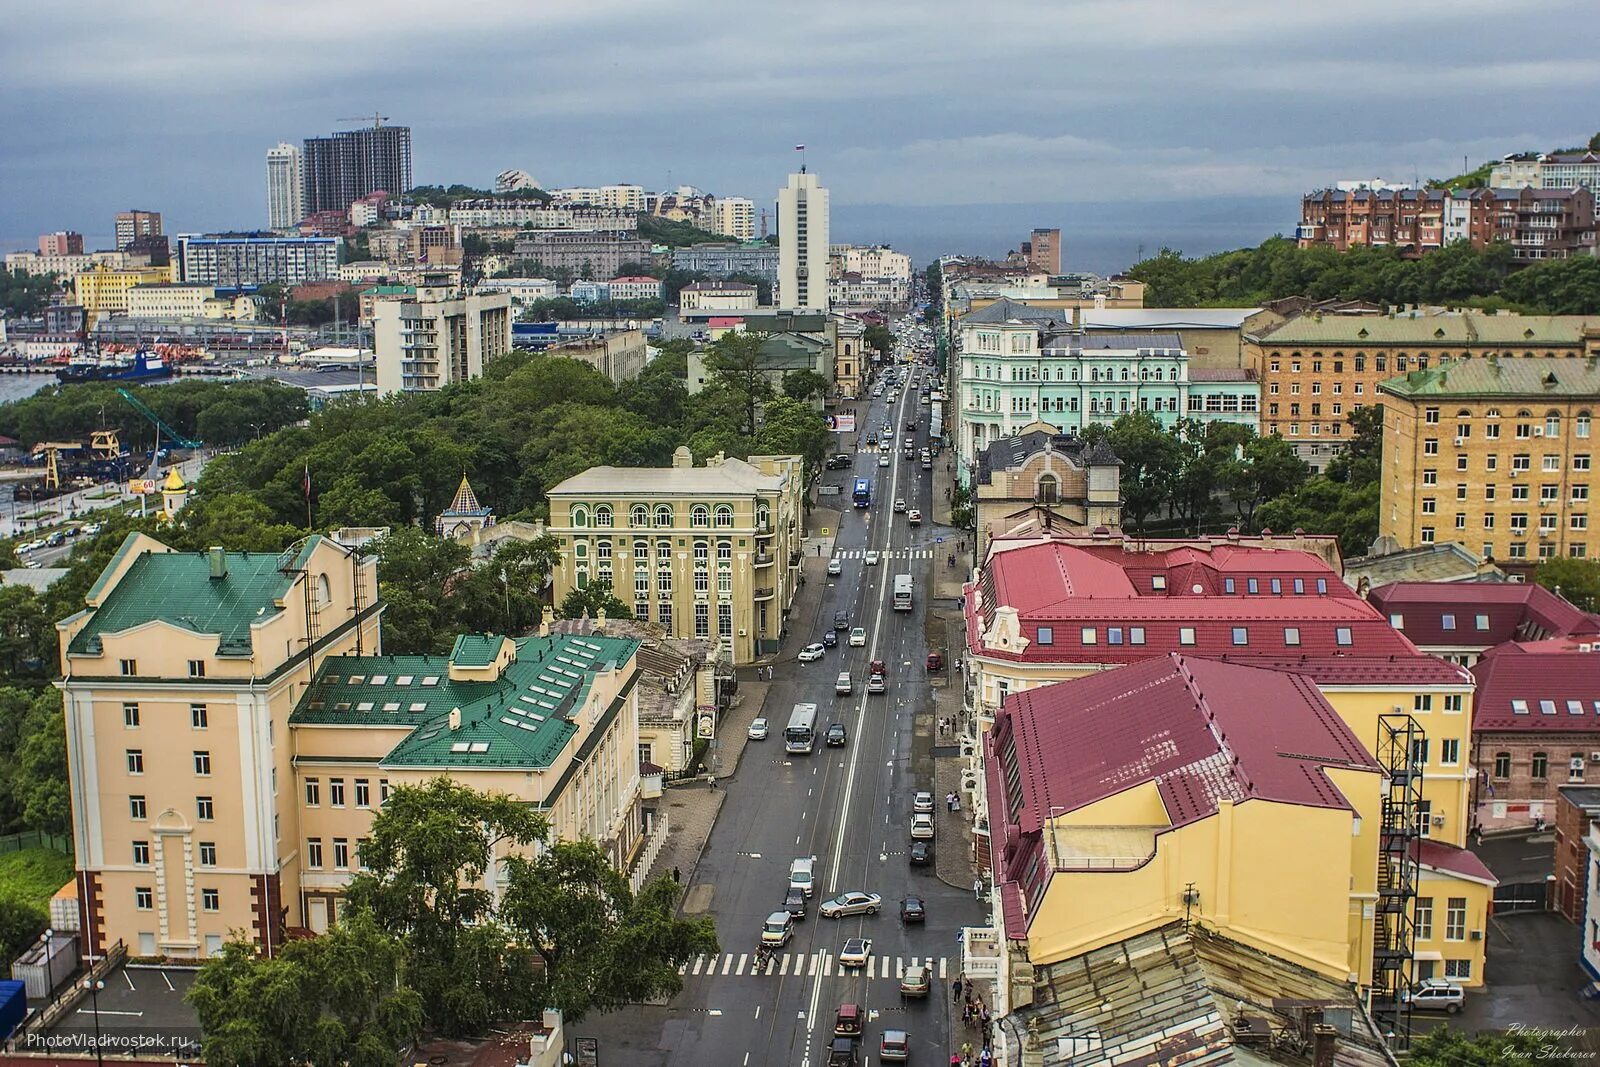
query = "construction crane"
{"x": 50, "y": 450}
{"x": 176, "y": 439}
{"x": 377, "y": 119}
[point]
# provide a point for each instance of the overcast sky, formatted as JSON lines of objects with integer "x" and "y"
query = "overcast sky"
{"x": 170, "y": 105}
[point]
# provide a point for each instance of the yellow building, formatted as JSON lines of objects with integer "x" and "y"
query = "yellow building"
{"x": 703, "y": 552}
{"x": 169, "y": 300}
{"x": 107, "y": 290}
{"x": 232, "y": 726}
{"x": 1046, "y": 610}
{"x": 1495, "y": 453}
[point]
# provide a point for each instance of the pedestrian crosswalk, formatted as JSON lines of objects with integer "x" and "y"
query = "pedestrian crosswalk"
{"x": 808, "y": 965}
{"x": 886, "y": 553}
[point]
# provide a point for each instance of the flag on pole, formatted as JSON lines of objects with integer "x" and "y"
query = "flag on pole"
{"x": 308, "y": 481}
{"x": 799, "y": 148}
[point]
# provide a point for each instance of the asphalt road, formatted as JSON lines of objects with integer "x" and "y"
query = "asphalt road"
{"x": 850, "y": 807}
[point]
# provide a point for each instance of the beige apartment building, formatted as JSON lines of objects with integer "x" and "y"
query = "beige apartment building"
{"x": 1496, "y": 453}
{"x": 232, "y": 726}
{"x": 702, "y": 552}
{"x": 105, "y": 290}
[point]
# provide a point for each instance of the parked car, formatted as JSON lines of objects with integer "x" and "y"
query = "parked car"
{"x": 852, "y": 903}
{"x": 835, "y": 567}
{"x": 935, "y": 661}
{"x": 894, "y": 1046}
{"x": 922, "y": 800}
{"x": 921, "y": 853}
{"x": 876, "y": 684}
{"x": 916, "y": 981}
{"x": 858, "y": 636}
{"x": 812, "y": 652}
{"x": 912, "y": 910}
{"x": 835, "y": 737}
{"x": 856, "y": 952}
{"x": 1436, "y": 994}
{"x": 758, "y": 730}
{"x": 922, "y": 826}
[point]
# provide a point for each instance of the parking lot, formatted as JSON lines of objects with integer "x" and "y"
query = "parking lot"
{"x": 141, "y": 1009}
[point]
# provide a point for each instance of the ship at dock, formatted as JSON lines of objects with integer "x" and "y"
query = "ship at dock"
{"x": 141, "y": 366}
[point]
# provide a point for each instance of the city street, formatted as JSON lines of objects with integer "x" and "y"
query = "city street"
{"x": 849, "y": 807}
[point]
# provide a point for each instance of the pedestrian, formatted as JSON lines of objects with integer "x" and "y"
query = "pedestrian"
{"x": 986, "y": 1018}
{"x": 977, "y": 887}
{"x": 955, "y": 990}
{"x": 966, "y": 1052}
{"x": 955, "y": 1061}
{"x": 677, "y": 875}
{"x": 966, "y": 1013}
{"x": 987, "y": 1057}
{"x": 955, "y": 801}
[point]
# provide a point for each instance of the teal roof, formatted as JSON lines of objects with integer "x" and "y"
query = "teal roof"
{"x": 1523, "y": 379}
{"x": 475, "y": 650}
{"x": 177, "y": 588}
{"x": 522, "y": 719}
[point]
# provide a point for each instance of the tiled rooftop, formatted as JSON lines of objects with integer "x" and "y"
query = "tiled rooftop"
{"x": 1513, "y": 379}
{"x": 1479, "y": 614}
{"x": 1537, "y": 691}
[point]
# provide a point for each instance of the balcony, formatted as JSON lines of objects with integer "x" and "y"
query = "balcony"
{"x": 980, "y": 952}
{"x": 765, "y": 559}
{"x": 765, "y": 594}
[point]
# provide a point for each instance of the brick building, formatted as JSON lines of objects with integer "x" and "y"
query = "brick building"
{"x": 1577, "y": 867}
{"x": 1549, "y": 223}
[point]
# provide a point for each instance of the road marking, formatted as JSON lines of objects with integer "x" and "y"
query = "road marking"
{"x": 941, "y": 966}
{"x": 699, "y": 962}
{"x": 714, "y": 1011}
{"x": 783, "y": 969}
{"x": 743, "y": 958}
{"x": 164, "y": 978}
{"x": 747, "y": 1055}
{"x": 127, "y": 979}
{"x": 727, "y": 963}
{"x": 108, "y": 1011}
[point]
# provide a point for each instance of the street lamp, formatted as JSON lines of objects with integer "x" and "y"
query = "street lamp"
{"x": 94, "y": 987}
{"x": 49, "y": 977}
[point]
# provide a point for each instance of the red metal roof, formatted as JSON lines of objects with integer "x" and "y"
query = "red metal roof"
{"x": 1479, "y": 614}
{"x": 1537, "y": 691}
{"x": 1451, "y": 860}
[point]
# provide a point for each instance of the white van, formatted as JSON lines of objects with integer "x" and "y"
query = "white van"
{"x": 841, "y": 685}
{"x": 800, "y": 874}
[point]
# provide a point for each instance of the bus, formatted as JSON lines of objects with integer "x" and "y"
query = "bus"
{"x": 801, "y": 733}
{"x": 863, "y": 492}
{"x": 902, "y": 592}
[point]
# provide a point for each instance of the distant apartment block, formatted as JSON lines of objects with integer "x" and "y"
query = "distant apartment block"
{"x": 285, "y": 187}
{"x": 735, "y": 216}
{"x": 105, "y": 291}
{"x": 1544, "y": 223}
{"x": 435, "y": 340}
{"x": 878, "y": 262}
{"x": 353, "y": 163}
{"x": 61, "y": 243}
{"x": 245, "y": 260}
{"x": 635, "y": 288}
{"x": 757, "y": 259}
{"x": 717, "y": 296}
{"x": 1043, "y": 249}
{"x": 537, "y": 215}
{"x": 1517, "y": 170}
{"x": 585, "y": 252}
{"x": 38, "y": 266}
{"x": 617, "y": 197}
{"x": 510, "y": 181}
{"x": 1570, "y": 170}
{"x": 132, "y": 225}
{"x": 803, "y": 244}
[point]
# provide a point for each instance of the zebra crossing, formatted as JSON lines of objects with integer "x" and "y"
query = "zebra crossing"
{"x": 886, "y": 553}
{"x": 808, "y": 965}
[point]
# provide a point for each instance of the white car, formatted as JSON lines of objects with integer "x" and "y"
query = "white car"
{"x": 93, "y": 528}
{"x": 835, "y": 567}
{"x": 899, "y": 506}
{"x": 758, "y": 730}
{"x": 883, "y": 460}
{"x": 812, "y": 652}
{"x": 872, "y": 558}
{"x": 922, "y": 801}
{"x": 922, "y": 826}
{"x": 856, "y": 952}
{"x": 858, "y": 636}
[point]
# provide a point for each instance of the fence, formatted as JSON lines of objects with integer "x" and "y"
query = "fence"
{"x": 1513, "y": 897}
{"x": 652, "y": 849}
{"x": 35, "y": 839}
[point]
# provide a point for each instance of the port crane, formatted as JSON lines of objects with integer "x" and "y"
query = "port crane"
{"x": 174, "y": 438}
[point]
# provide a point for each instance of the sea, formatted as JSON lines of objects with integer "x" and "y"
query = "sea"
{"x": 20, "y": 386}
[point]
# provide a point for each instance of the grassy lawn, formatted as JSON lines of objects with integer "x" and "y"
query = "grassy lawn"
{"x": 34, "y": 874}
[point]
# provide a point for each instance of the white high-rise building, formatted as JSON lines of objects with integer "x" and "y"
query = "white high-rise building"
{"x": 285, "y": 191}
{"x": 735, "y": 217}
{"x": 803, "y": 244}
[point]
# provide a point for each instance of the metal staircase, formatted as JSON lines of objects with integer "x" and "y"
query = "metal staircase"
{"x": 1398, "y": 751}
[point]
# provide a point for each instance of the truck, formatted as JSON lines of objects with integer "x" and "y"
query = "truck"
{"x": 902, "y": 592}
{"x": 862, "y": 492}
{"x": 13, "y": 1007}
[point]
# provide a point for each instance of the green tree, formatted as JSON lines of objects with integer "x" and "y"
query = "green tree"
{"x": 804, "y": 384}
{"x": 40, "y": 784}
{"x": 1578, "y": 580}
{"x": 236, "y": 521}
{"x": 879, "y": 339}
{"x": 602, "y": 947}
{"x": 1152, "y": 459}
{"x": 27, "y": 633}
{"x": 591, "y": 600}
{"x": 426, "y": 857}
{"x": 338, "y": 1000}
{"x": 21, "y": 924}
{"x": 1446, "y": 1046}
{"x": 734, "y": 364}
{"x": 791, "y": 427}
{"x": 413, "y": 570}
{"x": 1268, "y": 468}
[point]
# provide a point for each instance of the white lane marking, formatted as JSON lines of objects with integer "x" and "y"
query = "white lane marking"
{"x": 727, "y": 963}
{"x": 127, "y": 978}
{"x": 783, "y": 967}
{"x": 108, "y": 1011}
{"x": 941, "y": 966}
{"x": 699, "y": 962}
{"x": 170, "y": 987}
{"x": 713, "y": 1011}
{"x": 744, "y": 957}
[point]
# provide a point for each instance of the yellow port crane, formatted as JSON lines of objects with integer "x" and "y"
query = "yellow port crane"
{"x": 50, "y": 450}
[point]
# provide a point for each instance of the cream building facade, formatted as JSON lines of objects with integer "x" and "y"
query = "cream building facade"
{"x": 708, "y": 552}
{"x": 735, "y": 216}
{"x": 438, "y": 338}
{"x": 106, "y": 291}
{"x": 803, "y": 252}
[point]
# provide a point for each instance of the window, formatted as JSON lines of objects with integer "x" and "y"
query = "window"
{"x": 1252, "y": 586}
{"x": 208, "y": 853}
{"x": 1502, "y": 765}
{"x": 1322, "y": 587}
{"x": 135, "y": 761}
{"x": 383, "y": 790}
{"x": 602, "y": 516}
{"x": 1136, "y": 635}
{"x": 1575, "y": 768}
{"x": 130, "y": 716}
{"x": 699, "y": 515}
{"x": 1341, "y": 634}
{"x": 336, "y": 792}
{"x": 1539, "y": 766}
{"x": 1227, "y": 585}
{"x": 1424, "y": 918}
{"x": 144, "y": 899}
{"x": 1158, "y": 582}
{"x": 1449, "y": 751}
{"x": 1547, "y": 707}
{"x": 1453, "y": 703}
{"x": 1241, "y": 635}
{"x": 204, "y": 810}
{"x": 141, "y": 853}
{"x": 1113, "y": 635}
{"x": 1422, "y": 703}
{"x": 136, "y": 807}
{"x": 1455, "y": 919}
{"x": 199, "y": 719}
{"x": 1046, "y": 635}
{"x": 202, "y": 763}
{"x": 341, "y": 854}
{"x": 1458, "y": 968}
{"x": 639, "y": 516}
{"x": 1088, "y": 635}
{"x": 1419, "y": 751}
{"x": 197, "y": 668}
{"x": 1291, "y": 636}
{"x": 129, "y": 666}
{"x": 663, "y": 515}
{"x": 210, "y": 900}
{"x": 1186, "y": 635}
{"x": 1447, "y": 621}
{"x": 314, "y": 852}
{"x": 313, "y": 792}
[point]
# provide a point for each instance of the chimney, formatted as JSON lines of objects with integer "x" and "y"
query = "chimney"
{"x": 1324, "y": 1039}
{"x": 600, "y": 621}
{"x": 219, "y": 562}
{"x": 682, "y": 457}
{"x": 455, "y": 718}
{"x": 545, "y": 619}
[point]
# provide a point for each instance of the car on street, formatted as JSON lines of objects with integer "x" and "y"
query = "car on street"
{"x": 777, "y": 930}
{"x": 858, "y": 636}
{"x": 872, "y": 558}
{"x": 856, "y": 952}
{"x": 841, "y": 620}
{"x": 922, "y": 827}
{"x": 830, "y": 639}
{"x": 1436, "y": 994}
{"x": 894, "y": 1046}
{"x": 914, "y": 517}
{"x": 842, "y": 685}
{"x": 876, "y": 684}
{"x": 842, "y": 1052}
{"x": 912, "y": 425}
{"x": 921, "y": 853}
{"x": 758, "y": 730}
{"x": 794, "y": 902}
{"x": 888, "y": 431}
{"x": 852, "y": 903}
{"x": 935, "y": 661}
{"x": 93, "y": 528}
{"x": 835, "y": 567}
{"x": 836, "y": 735}
{"x": 915, "y": 982}
{"x": 876, "y": 667}
{"x": 912, "y": 910}
{"x": 838, "y": 462}
{"x": 900, "y": 506}
{"x": 812, "y": 652}
{"x": 847, "y": 1020}
{"x": 922, "y": 800}
{"x": 872, "y": 439}
{"x": 883, "y": 459}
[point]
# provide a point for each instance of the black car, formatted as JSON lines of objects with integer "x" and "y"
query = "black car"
{"x": 912, "y": 911}
{"x": 872, "y": 438}
{"x": 921, "y": 853}
{"x": 835, "y": 735}
{"x": 795, "y": 902}
{"x": 830, "y": 639}
{"x": 841, "y": 620}
{"x": 838, "y": 462}
{"x": 912, "y": 426}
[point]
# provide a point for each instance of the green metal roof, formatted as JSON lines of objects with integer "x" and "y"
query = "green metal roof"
{"x": 522, "y": 719}
{"x": 1520, "y": 378}
{"x": 177, "y": 588}
{"x": 475, "y": 650}
{"x": 1459, "y": 331}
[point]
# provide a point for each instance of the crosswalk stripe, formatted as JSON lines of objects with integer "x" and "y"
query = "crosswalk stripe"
{"x": 900, "y": 968}
{"x": 699, "y": 962}
{"x": 798, "y": 965}
{"x": 727, "y": 964}
{"x": 783, "y": 964}
{"x": 743, "y": 959}
{"x": 941, "y": 967}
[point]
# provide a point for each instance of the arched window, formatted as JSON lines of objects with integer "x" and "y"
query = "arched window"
{"x": 602, "y": 516}
{"x": 604, "y": 552}
{"x": 641, "y": 551}
{"x": 1552, "y": 424}
{"x": 1046, "y": 492}
{"x": 724, "y": 517}
{"x": 699, "y": 516}
{"x": 1539, "y": 766}
{"x": 1502, "y": 765}
{"x": 664, "y": 515}
{"x": 580, "y": 516}
{"x": 663, "y": 553}
{"x": 763, "y": 515}
{"x": 324, "y": 593}
{"x": 639, "y": 515}
{"x": 1580, "y": 424}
